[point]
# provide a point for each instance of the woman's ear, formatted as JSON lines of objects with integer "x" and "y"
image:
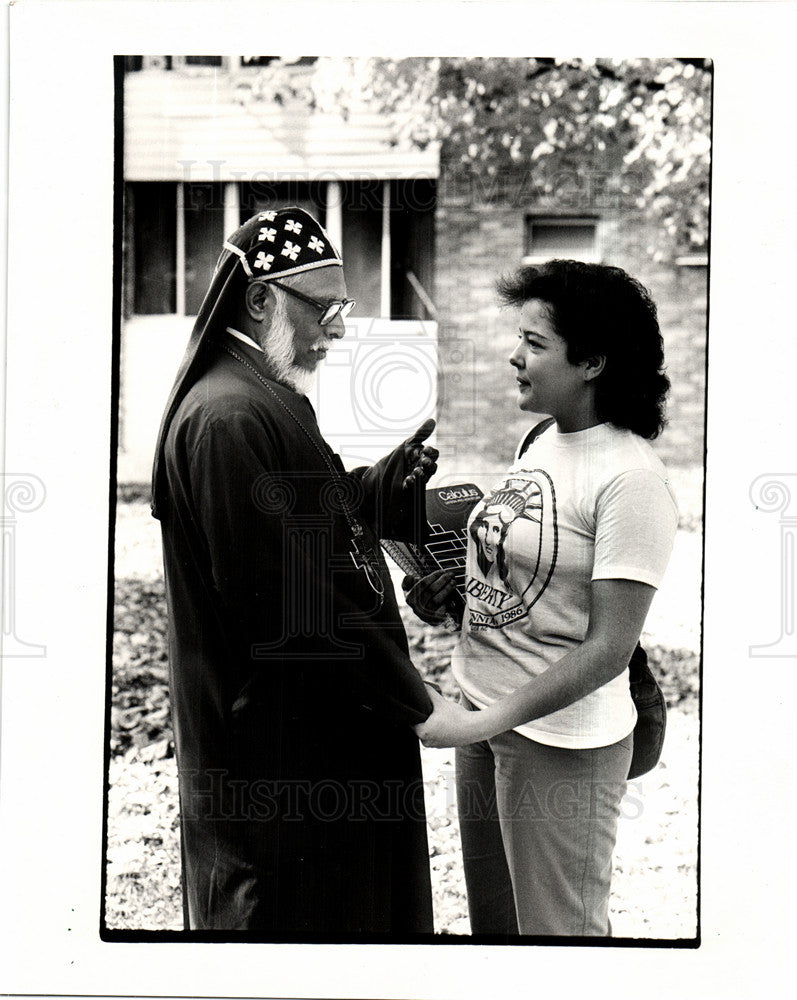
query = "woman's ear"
{"x": 594, "y": 366}
{"x": 259, "y": 300}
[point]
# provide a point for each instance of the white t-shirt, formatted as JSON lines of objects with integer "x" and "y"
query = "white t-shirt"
{"x": 590, "y": 505}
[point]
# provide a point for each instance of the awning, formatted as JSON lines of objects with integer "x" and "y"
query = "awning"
{"x": 197, "y": 127}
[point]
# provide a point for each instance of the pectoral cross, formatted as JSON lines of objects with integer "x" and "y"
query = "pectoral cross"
{"x": 366, "y": 560}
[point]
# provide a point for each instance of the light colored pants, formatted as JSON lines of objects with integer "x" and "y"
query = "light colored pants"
{"x": 539, "y": 825}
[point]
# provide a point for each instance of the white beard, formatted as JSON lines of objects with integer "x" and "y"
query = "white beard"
{"x": 280, "y": 352}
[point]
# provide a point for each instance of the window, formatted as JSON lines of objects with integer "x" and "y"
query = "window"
{"x": 153, "y": 247}
{"x": 568, "y": 237}
{"x": 259, "y": 196}
{"x": 203, "y": 213}
{"x": 177, "y": 234}
{"x": 155, "y": 62}
{"x": 257, "y": 61}
{"x": 202, "y": 60}
{"x": 201, "y": 64}
{"x": 412, "y": 215}
{"x": 385, "y": 229}
{"x": 362, "y": 243}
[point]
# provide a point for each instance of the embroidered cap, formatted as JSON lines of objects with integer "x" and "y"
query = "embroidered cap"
{"x": 279, "y": 243}
{"x": 272, "y": 244}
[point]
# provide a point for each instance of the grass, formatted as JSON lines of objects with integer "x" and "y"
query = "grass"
{"x": 655, "y": 882}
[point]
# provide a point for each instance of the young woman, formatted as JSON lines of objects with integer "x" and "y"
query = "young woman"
{"x": 580, "y": 530}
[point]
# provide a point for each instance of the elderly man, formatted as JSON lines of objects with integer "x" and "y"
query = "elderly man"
{"x": 293, "y": 694}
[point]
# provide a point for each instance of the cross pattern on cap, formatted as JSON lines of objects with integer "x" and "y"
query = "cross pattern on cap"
{"x": 295, "y": 240}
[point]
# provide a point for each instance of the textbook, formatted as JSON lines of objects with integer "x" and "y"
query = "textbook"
{"x": 447, "y": 512}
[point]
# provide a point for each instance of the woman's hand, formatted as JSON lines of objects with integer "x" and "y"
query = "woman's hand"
{"x": 449, "y": 725}
{"x": 433, "y": 596}
{"x": 617, "y": 614}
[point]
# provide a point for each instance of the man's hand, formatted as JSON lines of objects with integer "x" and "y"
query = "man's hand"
{"x": 420, "y": 461}
{"x": 433, "y": 596}
{"x": 449, "y": 725}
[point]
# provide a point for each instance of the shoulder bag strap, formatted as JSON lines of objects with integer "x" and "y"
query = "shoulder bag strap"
{"x": 532, "y": 436}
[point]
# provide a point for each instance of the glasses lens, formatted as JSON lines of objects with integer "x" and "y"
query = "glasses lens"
{"x": 329, "y": 313}
{"x": 334, "y": 309}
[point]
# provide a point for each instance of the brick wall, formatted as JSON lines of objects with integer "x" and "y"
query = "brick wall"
{"x": 479, "y": 234}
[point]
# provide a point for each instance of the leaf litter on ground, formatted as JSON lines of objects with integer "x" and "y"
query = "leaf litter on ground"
{"x": 654, "y": 889}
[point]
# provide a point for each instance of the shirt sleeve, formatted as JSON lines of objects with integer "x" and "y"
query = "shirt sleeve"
{"x": 635, "y": 523}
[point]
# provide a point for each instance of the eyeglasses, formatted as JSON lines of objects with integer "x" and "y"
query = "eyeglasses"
{"x": 329, "y": 310}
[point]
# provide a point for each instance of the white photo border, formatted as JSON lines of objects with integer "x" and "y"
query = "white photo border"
{"x": 58, "y": 419}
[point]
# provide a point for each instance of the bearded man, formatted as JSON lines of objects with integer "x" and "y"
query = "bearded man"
{"x": 292, "y": 690}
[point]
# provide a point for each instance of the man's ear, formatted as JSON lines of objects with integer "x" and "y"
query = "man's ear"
{"x": 593, "y": 366}
{"x": 259, "y": 301}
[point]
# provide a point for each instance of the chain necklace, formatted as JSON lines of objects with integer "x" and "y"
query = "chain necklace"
{"x": 362, "y": 555}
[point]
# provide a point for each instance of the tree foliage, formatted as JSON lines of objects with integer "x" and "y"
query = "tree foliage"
{"x": 641, "y": 125}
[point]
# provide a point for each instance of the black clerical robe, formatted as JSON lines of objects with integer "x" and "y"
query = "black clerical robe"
{"x": 292, "y": 691}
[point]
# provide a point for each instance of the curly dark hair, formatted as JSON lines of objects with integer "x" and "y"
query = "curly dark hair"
{"x": 600, "y": 310}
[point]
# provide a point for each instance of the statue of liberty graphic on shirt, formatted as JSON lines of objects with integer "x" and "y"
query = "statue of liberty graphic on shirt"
{"x": 512, "y": 549}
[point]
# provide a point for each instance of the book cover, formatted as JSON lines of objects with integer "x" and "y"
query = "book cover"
{"x": 447, "y": 512}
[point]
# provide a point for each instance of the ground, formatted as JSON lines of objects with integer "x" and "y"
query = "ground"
{"x": 654, "y": 889}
